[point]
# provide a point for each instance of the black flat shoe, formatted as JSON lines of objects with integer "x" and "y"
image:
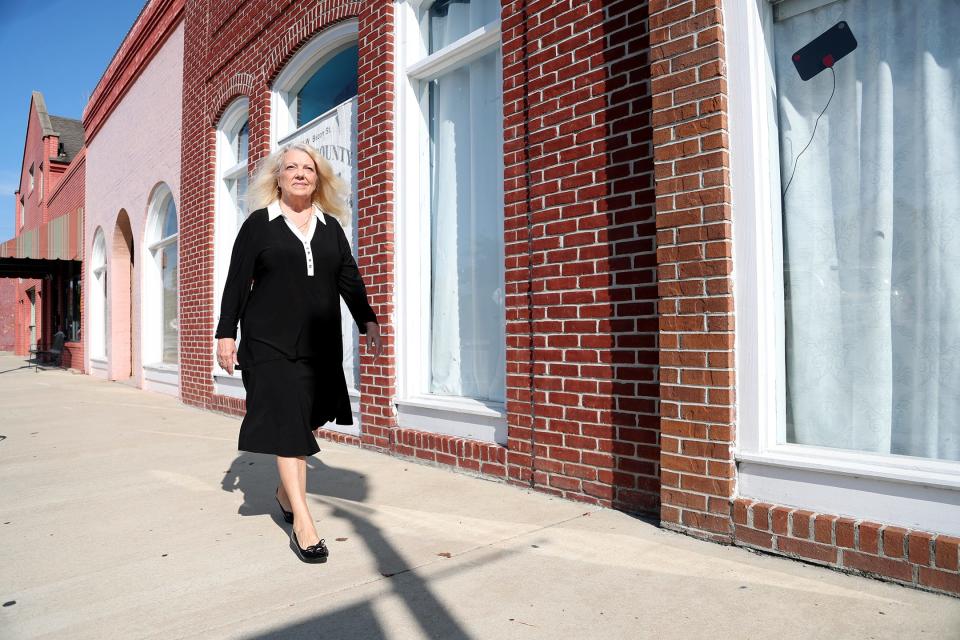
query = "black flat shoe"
{"x": 314, "y": 553}
{"x": 287, "y": 515}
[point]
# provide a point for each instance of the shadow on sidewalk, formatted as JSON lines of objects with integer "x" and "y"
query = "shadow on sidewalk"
{"x": 255, "y": 476}
{"x": 26, "y": 366}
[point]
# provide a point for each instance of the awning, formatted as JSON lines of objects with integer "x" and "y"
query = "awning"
{"x": 31, "y": 267}
{"x": 57, "y": 239}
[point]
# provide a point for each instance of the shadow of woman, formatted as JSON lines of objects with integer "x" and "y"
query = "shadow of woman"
{"x": 255, "y": 476}
{"x": 344, "y": 491}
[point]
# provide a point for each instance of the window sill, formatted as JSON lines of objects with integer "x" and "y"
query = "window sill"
{"x": 457, "y": 404}
{"x": 910, "y": 492}
{"x": 162, "y": 367}
{"x": 910, "y": 470}
{"x": 228, "y": 385}
{"x": 458, "y": 417}
{"x": 162, "y": 377}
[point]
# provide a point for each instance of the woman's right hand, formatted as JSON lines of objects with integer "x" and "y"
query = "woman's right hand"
{"x": 227, "y": 354}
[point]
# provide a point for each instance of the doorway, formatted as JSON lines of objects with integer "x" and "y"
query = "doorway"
{"x": 32, "y": 326}
{"x": 121, "y": 300}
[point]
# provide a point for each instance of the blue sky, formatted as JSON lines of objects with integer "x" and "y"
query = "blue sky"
{"x": 83, "y": 36}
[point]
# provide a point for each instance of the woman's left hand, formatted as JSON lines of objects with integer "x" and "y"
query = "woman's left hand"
{"x": 374, "y": 341}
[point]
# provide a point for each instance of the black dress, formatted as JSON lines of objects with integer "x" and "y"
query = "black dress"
{"x": 290, "y": 352}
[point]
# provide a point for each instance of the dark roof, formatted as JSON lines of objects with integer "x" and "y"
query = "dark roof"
{"x": 41, "y": 106}
{"x": 71, "y": 136}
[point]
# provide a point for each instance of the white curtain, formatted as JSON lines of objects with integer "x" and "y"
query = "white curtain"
{"x": 466, "y": 214}
{"x": 871, "y": 230}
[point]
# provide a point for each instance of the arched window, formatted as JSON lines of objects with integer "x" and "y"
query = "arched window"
{"x": 160, "y": 320}
{"x": 98, "y": 296}
{"x": 321, "y": 76}
{"x": 233, "y": 151}
{"x": 315, "y": 101}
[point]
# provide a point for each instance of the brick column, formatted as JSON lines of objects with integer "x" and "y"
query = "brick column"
{"x": 580, "y": 264}
{"x": 375, "y": 188}
{"x": 694, "y": 239}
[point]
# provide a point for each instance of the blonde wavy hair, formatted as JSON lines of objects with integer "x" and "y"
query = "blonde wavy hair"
{"x": 330, "y": 194}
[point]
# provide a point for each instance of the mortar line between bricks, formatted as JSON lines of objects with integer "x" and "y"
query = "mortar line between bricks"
{"x": 260, "y": 614}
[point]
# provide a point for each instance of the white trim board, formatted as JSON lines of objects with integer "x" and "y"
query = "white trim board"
{"x": 162, "y": 378}
{"x": 883, "y": 501}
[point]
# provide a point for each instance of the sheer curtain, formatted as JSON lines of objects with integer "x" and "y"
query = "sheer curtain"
{"x": 466, "y": 217}
{"x": 871, "y": 230}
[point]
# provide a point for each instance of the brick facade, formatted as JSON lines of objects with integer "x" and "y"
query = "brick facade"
{"x": 914, "y": 558}
{"x": 8, "y": 307}
{"x": 620, "y": 328}
{"x": 579, "y": 232}
{"x": 234, "y": 51}
{"x": 139, "y": 89}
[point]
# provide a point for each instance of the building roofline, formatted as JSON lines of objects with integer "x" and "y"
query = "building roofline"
{"x": 149, "y": 32}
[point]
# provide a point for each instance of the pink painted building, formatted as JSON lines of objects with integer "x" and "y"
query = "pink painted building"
{"x": 133, "y": 187}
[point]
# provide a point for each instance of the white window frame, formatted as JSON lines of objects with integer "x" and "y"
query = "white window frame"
{"x": 414, "y": 67}
{"x": 157, "y": 375}
{"x": 907, "y": 491}
{"x": 225, "y": 228}
{"x": 98, "y": 299}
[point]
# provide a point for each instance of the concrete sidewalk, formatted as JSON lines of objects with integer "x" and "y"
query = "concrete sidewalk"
{"x": 124, "y": 514}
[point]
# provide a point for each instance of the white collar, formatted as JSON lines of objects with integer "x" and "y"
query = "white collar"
{"x": 273, "y": 210}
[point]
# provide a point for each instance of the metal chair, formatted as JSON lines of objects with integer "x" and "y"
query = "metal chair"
{"x": 54, "y": 353}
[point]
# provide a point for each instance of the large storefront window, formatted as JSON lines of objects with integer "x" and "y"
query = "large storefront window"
{"x": 871, "y": 228}
{"x": 466, "y": 224}
{"x": 464, "y": 114}
{"x": 450, "y": 193}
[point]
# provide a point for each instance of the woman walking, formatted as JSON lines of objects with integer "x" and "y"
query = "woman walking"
{"x": 290, "y": 265}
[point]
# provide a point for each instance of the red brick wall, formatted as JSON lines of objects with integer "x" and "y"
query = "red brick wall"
{"x": 581, "y": 281}
{"x": 8, "y": 308}
{"x": 22, "y": 341}
{"x": 68, "y": 194}
{"x": 67, "y": 197}
{"x": 915, "y": 558}
{"x": 694, "y": 240}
